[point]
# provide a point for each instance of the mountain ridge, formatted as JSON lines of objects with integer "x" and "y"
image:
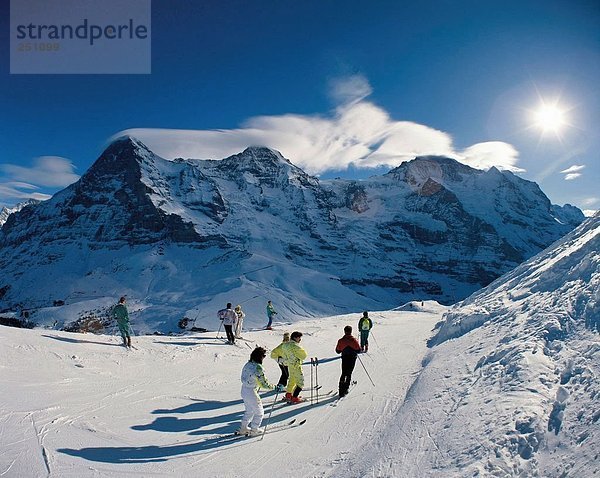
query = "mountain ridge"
{"x": 181, "y": 234}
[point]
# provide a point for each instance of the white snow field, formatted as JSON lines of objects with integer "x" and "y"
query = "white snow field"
{"x": 77, "y": 405}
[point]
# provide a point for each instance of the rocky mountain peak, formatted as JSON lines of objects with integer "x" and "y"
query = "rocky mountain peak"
{"x": 122, "y": 157}
{"x": 257, "y": 159}
{"x": 440, "y": 169}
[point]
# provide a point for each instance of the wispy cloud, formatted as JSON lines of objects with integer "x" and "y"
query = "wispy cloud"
{"x": 357, "y": 132}
{"x": 573, "y": 169}
{"x": 49, "y": 171}
{"x": 20, "y": 182}
{"x": 16, "y": 191}
{"x": 572, "y": 172}
{"x": 349, "y": 89}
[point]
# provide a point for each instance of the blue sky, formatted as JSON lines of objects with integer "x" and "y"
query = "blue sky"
{"x": 341, "y": 88}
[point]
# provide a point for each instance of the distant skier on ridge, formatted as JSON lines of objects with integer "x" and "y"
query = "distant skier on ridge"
{"x": 364, "y": 326}
{"x": 270, "y": 314}
{"x": 120, "y": 313}
{"x": 253, "y": 378}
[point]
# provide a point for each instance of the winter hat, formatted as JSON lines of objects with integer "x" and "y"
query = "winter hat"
{"x": 365, "y": 314}
{"x": 121, "y": 300}
{"x": 296, "y": 335}
{"x": 286, "y": 337}
{"x": 258, "y": 354}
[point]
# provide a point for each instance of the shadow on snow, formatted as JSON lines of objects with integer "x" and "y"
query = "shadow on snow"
{"x": 79, "y": 341}
{"x": 155, "y": 453}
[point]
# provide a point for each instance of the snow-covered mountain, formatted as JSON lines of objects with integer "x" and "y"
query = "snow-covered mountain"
{"x": 511, "y": 388}
{"x": 7, "y": 211}
{"x": 183, "y": 237}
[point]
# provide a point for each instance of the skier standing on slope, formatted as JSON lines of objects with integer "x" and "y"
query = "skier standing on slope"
{"x": 277, "y": 355}
{"x": 229, "y": 318}
{"x": 253, "y": 378}
{"x": 238, "y": 323}
{"x": 364, "y": 326}
{"x": 349, "y": 348}
{"x": 270, "y": 314}
{"x": 120, "y": 313}
{"x": 293, "y": 355}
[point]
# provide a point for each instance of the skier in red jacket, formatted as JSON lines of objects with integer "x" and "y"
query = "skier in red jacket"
{"x": 349, "y": 348}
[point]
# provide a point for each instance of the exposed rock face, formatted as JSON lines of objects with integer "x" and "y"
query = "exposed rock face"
{"x": 182, "y": 232}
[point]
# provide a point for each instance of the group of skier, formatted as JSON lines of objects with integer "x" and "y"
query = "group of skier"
{"x": 290, "y": 355}
{"x": 232, "y": 321}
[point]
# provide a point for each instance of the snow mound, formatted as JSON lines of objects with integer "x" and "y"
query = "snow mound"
{"x": 422, "y": 306}
{"x": 511, "y": 388}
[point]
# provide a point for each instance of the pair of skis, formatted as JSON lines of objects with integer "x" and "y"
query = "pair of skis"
{"x": 272, "y": 429}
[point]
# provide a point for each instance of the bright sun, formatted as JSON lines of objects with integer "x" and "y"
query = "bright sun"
{"x": 550, "y": 117}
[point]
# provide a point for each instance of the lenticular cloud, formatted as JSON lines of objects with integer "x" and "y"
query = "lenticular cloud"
{"x": 357, "y": 132}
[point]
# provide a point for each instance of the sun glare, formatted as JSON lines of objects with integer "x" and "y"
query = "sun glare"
{"x": 550, "y": 117}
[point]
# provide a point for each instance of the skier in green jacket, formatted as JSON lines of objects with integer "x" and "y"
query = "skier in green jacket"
{"x": 119, "y": 312}
{"x": 364, "y": 326}
{"x": 270, "y": 314}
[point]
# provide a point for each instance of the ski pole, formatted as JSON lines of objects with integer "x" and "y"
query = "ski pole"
{"x": 311, "y": 380}
{"x": 317, "y": 377}
{"x": 270, "y": 412}
{"x": 377, "y": 343}
{"x": 363, "y": 366}
{"x": 219, "y": 331}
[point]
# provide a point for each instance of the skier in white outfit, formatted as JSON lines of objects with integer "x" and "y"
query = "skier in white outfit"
{"x": 237, "y": 330}
{"x": 253, "y": 378}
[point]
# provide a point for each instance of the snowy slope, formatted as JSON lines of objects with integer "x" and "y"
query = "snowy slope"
{"x": 512, "y": 387}
{"x": 186, "y": 236}
{"x": 74, "y": 405}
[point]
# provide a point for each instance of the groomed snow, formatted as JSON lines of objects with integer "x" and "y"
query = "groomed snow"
{"x": 74, "y": 405}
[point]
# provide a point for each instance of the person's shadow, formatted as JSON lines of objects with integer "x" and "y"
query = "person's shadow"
{"x": 153, "y": 453}
{"x": 80, "y": 341}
